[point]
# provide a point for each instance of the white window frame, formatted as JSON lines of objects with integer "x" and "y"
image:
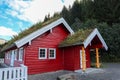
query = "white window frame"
{"x": 54, "y": 53}
{"x": 45, "y": 53}
{"x": 20, "y": 58}
{"x": 15, "y": 54}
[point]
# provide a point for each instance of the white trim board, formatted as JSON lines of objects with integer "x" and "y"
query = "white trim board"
{"x": 92, "y": 35}
{"x": 39, "y": 32}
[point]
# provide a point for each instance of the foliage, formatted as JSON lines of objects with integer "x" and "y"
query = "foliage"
{"x": 111, "y": 35}
{"x": 101, "y": 14}
{"x": 107, "y": 10}
{"x": 101, "y": 10}
{"x": 1, "y": 53}
{"x": 77, "y": 38}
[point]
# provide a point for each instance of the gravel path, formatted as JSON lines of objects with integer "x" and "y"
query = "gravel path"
{"x": 111, "y": 71}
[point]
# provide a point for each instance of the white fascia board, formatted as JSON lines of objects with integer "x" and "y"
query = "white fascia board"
{"x": 102, "y": 40}
{"x": 91, "y": 36}
{"x": 67, "y": 26}
{"x": 39, "y": 32}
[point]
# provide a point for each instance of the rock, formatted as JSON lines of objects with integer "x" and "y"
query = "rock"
{"x": 69, "y": 76}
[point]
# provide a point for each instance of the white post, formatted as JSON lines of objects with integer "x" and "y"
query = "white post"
{"x": 25, "y": 71}
{"x": 1, "y": 76}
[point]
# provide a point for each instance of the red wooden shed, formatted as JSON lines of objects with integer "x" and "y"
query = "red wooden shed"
{"x": 52, "y": 46}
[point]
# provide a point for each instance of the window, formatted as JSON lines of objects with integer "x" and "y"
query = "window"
{"x": 9, "y": 55}
{"x": 42, "y": 53}
{"x": 52, "y": 53}
{"x": 15, "y": 55}
{"x": 21, "y": 52}
{"x": 6, "y": 55}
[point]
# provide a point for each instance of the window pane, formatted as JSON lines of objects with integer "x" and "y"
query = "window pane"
{"x": 52, "y": 53}
{"x": 21, "y": 52}
{"x": 42, "y": 53}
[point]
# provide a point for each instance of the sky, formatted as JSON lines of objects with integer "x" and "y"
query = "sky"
{"x": 18, "y": 15}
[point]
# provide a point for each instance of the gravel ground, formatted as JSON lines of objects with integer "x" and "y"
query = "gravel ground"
{"x": 2, "y": 65}
{"x": 111, "y": 71}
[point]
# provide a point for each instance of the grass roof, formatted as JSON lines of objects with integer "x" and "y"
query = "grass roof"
{"x": 29, "y": 31}
{"x": 77, "y": 38}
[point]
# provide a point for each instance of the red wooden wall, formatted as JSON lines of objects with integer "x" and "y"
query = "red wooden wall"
{"x": 88, "y": 60}
{"x": 47, "y": 40}
{"x": 72, "y": 58}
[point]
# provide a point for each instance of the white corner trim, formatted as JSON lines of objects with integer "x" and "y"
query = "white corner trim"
{"x": 67, "y": 26}
{"x": 35, "y": 34}
{"x": 92, "y": 35}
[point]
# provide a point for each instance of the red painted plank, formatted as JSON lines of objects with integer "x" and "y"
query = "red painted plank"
{"x": 47, "y": 40}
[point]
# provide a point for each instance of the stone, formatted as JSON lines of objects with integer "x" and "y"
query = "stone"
{"x": 69, "y": 76}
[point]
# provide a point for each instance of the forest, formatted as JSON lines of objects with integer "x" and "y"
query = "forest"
{"x": 101, "y": 14}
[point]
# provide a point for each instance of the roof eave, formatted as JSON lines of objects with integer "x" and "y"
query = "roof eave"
{"x": 76, "y": 44}
{"x": 7, "y": 48}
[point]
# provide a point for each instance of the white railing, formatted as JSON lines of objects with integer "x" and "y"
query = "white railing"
{"x": 1, "y": 60}
{"x": 13, "y": 73}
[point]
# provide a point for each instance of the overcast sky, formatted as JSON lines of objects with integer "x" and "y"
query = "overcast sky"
{"x": 17, "y": 15}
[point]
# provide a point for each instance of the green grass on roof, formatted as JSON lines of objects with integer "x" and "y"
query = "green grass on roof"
{"x": 76, "y": 38}
{"x": 30, "y": 30}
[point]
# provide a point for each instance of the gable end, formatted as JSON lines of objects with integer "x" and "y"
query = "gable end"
{"x": 39, "y": 32}
{"x": 91, "y": 36}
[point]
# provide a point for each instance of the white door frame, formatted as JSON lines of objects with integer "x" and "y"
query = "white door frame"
{"x": 81, "y": 59}
{"x": 12, "y": 58}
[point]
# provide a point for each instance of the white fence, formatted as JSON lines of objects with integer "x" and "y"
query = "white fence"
{"x": 1, "y": 60}
{"x": 13, "y": 73}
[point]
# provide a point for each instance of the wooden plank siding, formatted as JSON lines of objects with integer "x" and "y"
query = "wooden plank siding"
{"x": 88, "y": 60}
{"x": 47, "y": 40}
{"x": 72, "y": 58}
{"x": 69, "y": 58}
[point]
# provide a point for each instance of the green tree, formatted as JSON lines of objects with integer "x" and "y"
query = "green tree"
{"x": 88, "y": 9}
{"x": 65, "y": 13}
{"x": 1, "y": 53}
{"x": 107, "y": 10}
{"x": 47, "y": 17}
{"x": 77, "y": 11}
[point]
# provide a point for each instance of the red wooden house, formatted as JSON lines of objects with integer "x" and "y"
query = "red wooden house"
{"x": 54, "y": 46}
